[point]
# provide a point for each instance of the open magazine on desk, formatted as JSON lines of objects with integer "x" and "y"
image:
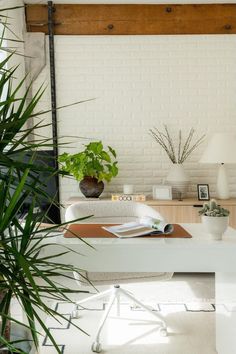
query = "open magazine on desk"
{"x": 145, "y": 226}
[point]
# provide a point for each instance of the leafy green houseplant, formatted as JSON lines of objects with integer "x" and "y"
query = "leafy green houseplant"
{"x": 26, "y": 275}
{"x": 91, "y": 167}
{"x": 215, "y": 219}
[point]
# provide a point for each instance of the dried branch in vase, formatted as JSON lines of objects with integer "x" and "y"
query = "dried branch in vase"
{"x": 184, "y": 149}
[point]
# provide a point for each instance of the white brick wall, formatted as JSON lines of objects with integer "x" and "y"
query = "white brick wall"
{"x": 15, "y": 31}
{"x": 140, "y": 82}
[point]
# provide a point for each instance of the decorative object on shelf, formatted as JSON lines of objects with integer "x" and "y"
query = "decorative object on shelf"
{"x": 162, "y": 191}
{"x": 184, "y": 148}
{"x": 91, "y": 167}
{"x": 203, "y": 192}
{"x": 177, "y": 177}
{"x": 220, "y": 150}
{"x": 90, "y": 187}
{"x": 215, "y": 219}
{"x": 128, "y": 197}
{"x": 128, "y": 189}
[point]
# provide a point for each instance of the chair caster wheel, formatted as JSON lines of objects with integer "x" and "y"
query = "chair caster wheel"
{"x": 96, "y": 347}
{"x": 75, "y": 314}
{"x": 163, "y": 332}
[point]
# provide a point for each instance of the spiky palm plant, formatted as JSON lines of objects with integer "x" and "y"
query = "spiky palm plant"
{"x": 22, "y": 263}
{"x": 23, "y": 266}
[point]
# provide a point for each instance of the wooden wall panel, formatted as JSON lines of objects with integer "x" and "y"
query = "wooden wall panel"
{"x": 74, "y": 19}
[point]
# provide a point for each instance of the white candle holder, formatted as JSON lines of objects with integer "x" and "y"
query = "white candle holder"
{"x": 128, "y": 189}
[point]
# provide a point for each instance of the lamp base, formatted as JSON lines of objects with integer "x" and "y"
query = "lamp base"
{"x": 222, "y": 187}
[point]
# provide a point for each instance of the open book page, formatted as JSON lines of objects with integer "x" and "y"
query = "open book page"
{"x": 146, "y": 226}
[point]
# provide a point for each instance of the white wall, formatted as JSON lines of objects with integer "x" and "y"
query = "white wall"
{"x": 16, "y": 25}
{"x": 140, "y": 82}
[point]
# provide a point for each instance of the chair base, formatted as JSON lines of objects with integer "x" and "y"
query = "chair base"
{"x": 115, "y": 294}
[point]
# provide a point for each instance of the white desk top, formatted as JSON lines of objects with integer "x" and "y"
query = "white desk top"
{"x": 196, "y": 230}
{"x": 198, "y": 254}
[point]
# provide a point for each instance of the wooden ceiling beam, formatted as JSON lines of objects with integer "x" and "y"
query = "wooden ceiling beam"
{"x": 74, "y": 19}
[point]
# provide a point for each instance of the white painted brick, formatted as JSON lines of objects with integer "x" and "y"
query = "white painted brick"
{"x": 140, "y": 82}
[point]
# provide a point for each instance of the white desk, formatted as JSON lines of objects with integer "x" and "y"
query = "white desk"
{"x": 199, "y": 254}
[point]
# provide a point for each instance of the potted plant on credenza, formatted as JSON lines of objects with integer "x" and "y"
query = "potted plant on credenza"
{"x": 91, "y": 167}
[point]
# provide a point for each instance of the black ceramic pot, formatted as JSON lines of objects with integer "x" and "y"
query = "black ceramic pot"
{"x": 90, "y": 187}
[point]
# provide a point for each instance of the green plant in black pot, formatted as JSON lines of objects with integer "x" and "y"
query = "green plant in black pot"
{"x": 91, "y": 167}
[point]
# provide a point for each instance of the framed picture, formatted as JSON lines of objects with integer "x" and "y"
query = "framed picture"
{"x": 162, "y": 192}
{"x": 203, "y": 192}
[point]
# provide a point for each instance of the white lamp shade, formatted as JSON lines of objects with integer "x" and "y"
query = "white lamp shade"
{"x": 221, "y": 149}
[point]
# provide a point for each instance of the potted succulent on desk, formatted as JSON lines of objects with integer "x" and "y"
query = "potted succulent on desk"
{"x": 91, "y": 167}
{"x": 215, "y": 219}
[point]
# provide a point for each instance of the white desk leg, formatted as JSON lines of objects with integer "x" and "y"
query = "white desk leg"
{"x": 225, "y": 292}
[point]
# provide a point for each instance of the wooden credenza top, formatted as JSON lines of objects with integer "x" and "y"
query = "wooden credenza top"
{"x": 188, "y": 201}
{"x": 157, "y": 202}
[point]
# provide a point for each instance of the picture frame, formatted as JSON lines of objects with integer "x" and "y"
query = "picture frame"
{"x": 203, "y": 192}
{"x": 162, "y": 191}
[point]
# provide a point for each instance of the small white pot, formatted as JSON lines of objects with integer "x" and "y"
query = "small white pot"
{"x": 215, "y": 225}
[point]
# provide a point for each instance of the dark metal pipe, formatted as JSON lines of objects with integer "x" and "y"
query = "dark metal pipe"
{"x": 53, "y": 87}
{"x": 52, "y": 74}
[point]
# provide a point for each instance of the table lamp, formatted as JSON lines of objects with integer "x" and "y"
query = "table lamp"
{"x": 221, "y": 149}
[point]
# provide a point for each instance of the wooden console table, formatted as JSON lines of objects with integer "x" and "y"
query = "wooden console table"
{"x": 175, "y": 211}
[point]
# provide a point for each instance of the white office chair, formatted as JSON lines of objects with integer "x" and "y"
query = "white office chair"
{"x": 114, "y": 212}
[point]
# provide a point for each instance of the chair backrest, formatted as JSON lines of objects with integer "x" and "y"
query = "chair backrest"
{"x": 109, "y": 211}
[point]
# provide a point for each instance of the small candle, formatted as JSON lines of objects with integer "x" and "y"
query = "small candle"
{"x": 128, "y": 189}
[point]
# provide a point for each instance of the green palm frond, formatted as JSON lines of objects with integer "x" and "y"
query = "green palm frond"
{"x": 26, "y": 273}
{"x": 22, "y": 261}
